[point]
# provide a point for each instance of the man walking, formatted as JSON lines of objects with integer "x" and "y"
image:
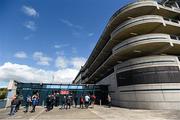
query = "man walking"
{"x": 81, "y": 102}
{"x": 68, "y": 102}
{"x": 93, "y": 98}
{"x": 52, "y": 101}
{"x": 48, "y": 103}
{"x": 109, "y": 101}
{"x": 63, "y": 102}
{"x": 75, "y": 100}
{"x": 87, "y": 99}
{"x": 28, "y": 103}
{"x": 20, "y": 100}
{"x": 14, "y": 103}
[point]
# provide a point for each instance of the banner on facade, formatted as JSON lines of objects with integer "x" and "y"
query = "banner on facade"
{"x": 64, "y": 92}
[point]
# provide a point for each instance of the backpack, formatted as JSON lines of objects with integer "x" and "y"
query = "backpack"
{"x": 81, "y": 99}
{"x": 93, "y": 97}
{"x": 28, "y": 99}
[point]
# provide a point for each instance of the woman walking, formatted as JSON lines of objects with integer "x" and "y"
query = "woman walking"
{"x": 81, "y": 102}
{"x": 34, "y": 102}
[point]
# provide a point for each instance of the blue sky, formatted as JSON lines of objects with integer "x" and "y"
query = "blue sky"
{"x": 50, "y": 38}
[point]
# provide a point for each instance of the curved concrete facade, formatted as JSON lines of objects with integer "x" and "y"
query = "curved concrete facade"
{"x": 144, "y": 25}
{"x": 130, "y": 11}
{"x": 149, "y": 82}
{"x": 136, "y": 56}
{"x": 156, "y": 43}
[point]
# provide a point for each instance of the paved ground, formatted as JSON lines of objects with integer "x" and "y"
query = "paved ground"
{"x": 98, "y": 113}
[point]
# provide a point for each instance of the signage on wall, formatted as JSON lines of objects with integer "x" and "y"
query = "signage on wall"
{"x": 64, "y": 92}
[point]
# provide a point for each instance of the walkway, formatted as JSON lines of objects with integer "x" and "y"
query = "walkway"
{"x": 98, "y": 113}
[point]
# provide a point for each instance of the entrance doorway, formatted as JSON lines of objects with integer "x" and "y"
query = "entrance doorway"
{"x": 100, "y": 91}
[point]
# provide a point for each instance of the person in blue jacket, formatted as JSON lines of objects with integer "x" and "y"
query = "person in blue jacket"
{"x": 34, "y": 102}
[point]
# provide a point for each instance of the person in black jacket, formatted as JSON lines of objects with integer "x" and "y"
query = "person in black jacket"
{"x": 76, "y": 100}
{"x": 63, "y": 102}
{"x": 52, "y": 99}
{"x": 48, "y": 103}
{"x": 68, "y": 102}
{"x": 19, "y": 99}
{"x": 57, "y": 99}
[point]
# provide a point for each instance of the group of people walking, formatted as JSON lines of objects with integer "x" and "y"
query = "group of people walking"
{"x": 87, "y": 100}
{"x": 29, "y": 101}
{"x": 66, "y": 101}
{"x": 55, "y": 99}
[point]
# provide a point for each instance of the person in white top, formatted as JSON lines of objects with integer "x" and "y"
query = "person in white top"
{"x": 109, "y": 100}
{"x": 87, "y": 99}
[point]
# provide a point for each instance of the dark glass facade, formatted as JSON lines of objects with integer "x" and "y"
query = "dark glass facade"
{"x": 149, "y": 75}
{"x": 44, "y": 90}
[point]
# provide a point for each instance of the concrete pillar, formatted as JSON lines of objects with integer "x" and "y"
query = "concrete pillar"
{"x": 11, "y": 92}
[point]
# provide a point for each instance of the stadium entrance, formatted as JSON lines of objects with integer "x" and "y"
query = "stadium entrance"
{"x": 25, "y": 89}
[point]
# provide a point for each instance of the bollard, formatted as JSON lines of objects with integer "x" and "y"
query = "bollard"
{"x": 43, "y": 103}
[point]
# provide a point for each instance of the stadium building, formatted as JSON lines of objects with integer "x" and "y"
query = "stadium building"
{"x": 137, "y": 56}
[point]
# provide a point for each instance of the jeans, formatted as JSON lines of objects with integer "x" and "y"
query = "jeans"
{"x": 27, "y": 107}
{"x": 86, "y": 104}
{"x": 33, "y": 108}
{"x": 81, "y": 104}
{"x": 13, "y": 109}
{"x": 68, "y": 105}
{"x": 63, "y": 106}
{"x": 109, "y": 104}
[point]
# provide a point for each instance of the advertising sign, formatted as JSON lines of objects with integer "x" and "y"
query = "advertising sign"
{"x": 64, "y": 92}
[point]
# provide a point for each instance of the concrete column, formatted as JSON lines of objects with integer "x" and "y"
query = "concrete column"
{"x": 11, "y": 92}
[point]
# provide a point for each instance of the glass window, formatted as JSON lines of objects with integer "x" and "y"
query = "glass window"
{"x": 80, "y": 87}
{"x": 64, "y": 86}
{"x": 53, "y": 86}
{"x": 151, "y": 75}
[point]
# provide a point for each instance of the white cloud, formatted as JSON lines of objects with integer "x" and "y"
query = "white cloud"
{"x": 74, "y": 50}
{"x": 30, "y": 25}
{"x": 30, "y": 11}
{"x": 41, "y": 58}
{"x": 90, "y": 34}
{"x": 20, "y": 54}
{"x": 74, "y": 62}
{"x": 27, "y": 74}
{"x": 76, "y": 33}
{"x": 24, "y": 73}
{"x": 60, "y": 53}
{"x": 58, "y": 46}
{"x": 76, "y": 30}
{"x": 70, "y": 24}
{"x": 67, "y": 70}
{"x": 92, "y": 45}
{"x": 77, "y": 62}
{"x": 28, "y": 37}
{"x": 65, "y": 75}
{"x": 61, "y": 62}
